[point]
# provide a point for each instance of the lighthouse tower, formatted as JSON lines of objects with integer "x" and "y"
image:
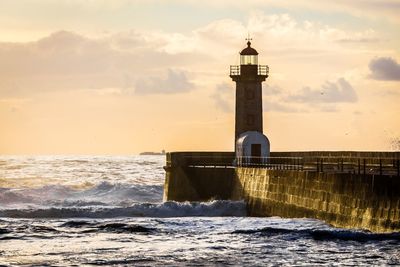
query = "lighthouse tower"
{"x": 250, "y": 142}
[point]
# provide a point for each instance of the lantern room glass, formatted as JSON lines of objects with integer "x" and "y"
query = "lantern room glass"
{"x": 249, "y": 60}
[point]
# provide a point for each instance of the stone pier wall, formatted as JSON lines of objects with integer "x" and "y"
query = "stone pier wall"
{"x": 348, "y": 200}
{"x": 369, "y": 202}
{"x": 184, "y": 183}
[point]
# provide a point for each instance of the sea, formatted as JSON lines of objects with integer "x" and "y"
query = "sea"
{"x": 109, "y": 211}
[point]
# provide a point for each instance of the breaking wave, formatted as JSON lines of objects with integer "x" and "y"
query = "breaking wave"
{"x": 323, "y": 235}
{"x": 66, "y": 196}
{"x": 214, "y": 208}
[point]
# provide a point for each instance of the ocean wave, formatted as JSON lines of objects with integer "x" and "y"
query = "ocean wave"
{"x": 323, "y": 234}
{"x": 83, "y": 227}
{"x": 167, "y": 209}
{"x": 138, "y": 192}
{"x": 77, "y": 224}
{"x": 101, "y": 194}
{"x": 123, "y": 262}
{"x": 124, "y": 228}
{"x": 43, "y": 229}
{"x": 77, "y": 203}
{"x": 10, "y": 196}
{"x": 4, "y": 231}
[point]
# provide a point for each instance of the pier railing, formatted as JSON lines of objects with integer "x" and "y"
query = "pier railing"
{"x": 356, "y": 165}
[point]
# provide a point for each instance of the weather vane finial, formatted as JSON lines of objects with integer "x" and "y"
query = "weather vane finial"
{"x": 248, "y": 39}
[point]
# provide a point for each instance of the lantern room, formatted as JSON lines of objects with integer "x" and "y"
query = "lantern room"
{"x": 249, "y": 56}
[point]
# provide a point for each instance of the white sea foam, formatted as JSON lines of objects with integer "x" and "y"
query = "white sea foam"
{"x": 94, "y": 187}
{"x": 105, "y": 193}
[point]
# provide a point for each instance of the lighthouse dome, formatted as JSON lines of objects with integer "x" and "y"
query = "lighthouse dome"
{"x": 249, "y": 51}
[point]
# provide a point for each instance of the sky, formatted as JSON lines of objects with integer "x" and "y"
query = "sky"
{"x": 126, "y": 76}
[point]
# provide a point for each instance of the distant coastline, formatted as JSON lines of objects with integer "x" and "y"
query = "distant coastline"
{"x": 153, "y": 153}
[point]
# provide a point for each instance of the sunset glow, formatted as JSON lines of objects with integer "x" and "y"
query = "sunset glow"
{"x": 122, "y": 77}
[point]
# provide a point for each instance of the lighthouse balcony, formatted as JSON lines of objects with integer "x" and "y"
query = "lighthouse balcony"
{"x": 261, "y": 70}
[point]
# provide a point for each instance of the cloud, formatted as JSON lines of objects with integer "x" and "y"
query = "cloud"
{"x": 359, "y": 40}
{"x": 70, "y": 61}
{"x": 387, "y": 9}
{"x": 272, "y": 100}
{"x": 282, "y": 31}
{"x": 361, "y": 37}
{"x": 269, "y": 90}
{"x": 174, "y": 82}
{"x": 326, "y": 108}
{"x": 61, "y": 53}
{"x": 223, "y": 97}
{"x": 122, "y": 60}
{"x": 277, "y": 106}
{"x": 384, "y": 69}
{"x": 277, "y": 99}
{"x": 339, "y": 92}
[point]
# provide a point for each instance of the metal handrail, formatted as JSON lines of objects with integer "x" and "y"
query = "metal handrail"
{"x": 381, "y": 166}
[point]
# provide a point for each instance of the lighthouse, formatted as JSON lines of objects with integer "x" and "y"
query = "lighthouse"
{"x": 251, "y": 145}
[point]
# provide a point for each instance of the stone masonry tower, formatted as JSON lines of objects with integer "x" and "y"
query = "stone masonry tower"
{"x": 248, "y": 77}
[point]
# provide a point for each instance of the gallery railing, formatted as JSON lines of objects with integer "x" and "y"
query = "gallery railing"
{"x": 377, "y": 166}
{"x": 234, "y": 70}
{"x": 262, "y": 70}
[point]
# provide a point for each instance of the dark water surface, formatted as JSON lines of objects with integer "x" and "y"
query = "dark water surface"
{"x": 65, "y": 211}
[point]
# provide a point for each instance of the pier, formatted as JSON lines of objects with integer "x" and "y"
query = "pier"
{"x": 357, "y": 190}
